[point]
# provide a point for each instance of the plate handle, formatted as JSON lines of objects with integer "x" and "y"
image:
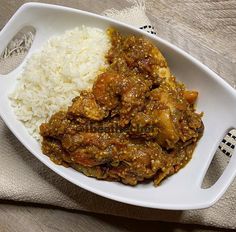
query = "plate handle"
{"x": 218, "y": 189}
{"x": 18, "y": 21}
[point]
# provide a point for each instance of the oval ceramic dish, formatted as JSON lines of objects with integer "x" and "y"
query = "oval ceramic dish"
{"x": 216, "y": 99}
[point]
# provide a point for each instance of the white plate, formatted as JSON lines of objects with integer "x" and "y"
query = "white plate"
{"x": 217, "y": 100}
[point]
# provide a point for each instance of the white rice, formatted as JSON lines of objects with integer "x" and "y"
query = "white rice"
{"x": 52, "y": 77}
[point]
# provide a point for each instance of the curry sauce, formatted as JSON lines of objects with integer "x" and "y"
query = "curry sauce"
{"x": 137, "y": 123}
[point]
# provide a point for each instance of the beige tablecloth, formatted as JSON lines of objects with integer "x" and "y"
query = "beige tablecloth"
{"x": 24, "y": 178}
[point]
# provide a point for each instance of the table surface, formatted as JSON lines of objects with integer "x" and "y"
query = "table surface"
{"x": 204, "y": 28}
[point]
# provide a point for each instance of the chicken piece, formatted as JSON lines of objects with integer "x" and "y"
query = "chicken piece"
{"x": 107, "y": 89}
{"x": 150, "y": 61}
{"x": 133, "y": 98}
{"x": 90, "y": 156}
{"x": 102, "y": 140}
{"x": 56, "y": 126}
{"x": 52, "y": 148}
{"x": 71, "y": 142}
{"x": 191, "y": 126}
{"x": 186, "y": 122}
{"x": 161, "y": 68}
{"x": 129, "y": 91}
{"x": 161, "y": 115}
{"x": 86, "y": 106}
{"x": 137, "y": 162}
{"x": 91, "y": 149}
{"x": 169, "y": 96}
{"x": 168, "y": 133}
{"x": 156, "y": 124}
{"x": 144, "y": 125}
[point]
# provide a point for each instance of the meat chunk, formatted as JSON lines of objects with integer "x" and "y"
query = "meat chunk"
{"x": 107, "y": 89}
{"x": 86, "y": 106}
{"x": 127, "y": 90}
{"x": 53, "y": 149}
{"x": 56, "y": 126}
{"x": 158, "y": 125}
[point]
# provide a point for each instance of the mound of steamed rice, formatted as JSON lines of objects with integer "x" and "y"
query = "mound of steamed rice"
{"x": 52, "y": 77}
